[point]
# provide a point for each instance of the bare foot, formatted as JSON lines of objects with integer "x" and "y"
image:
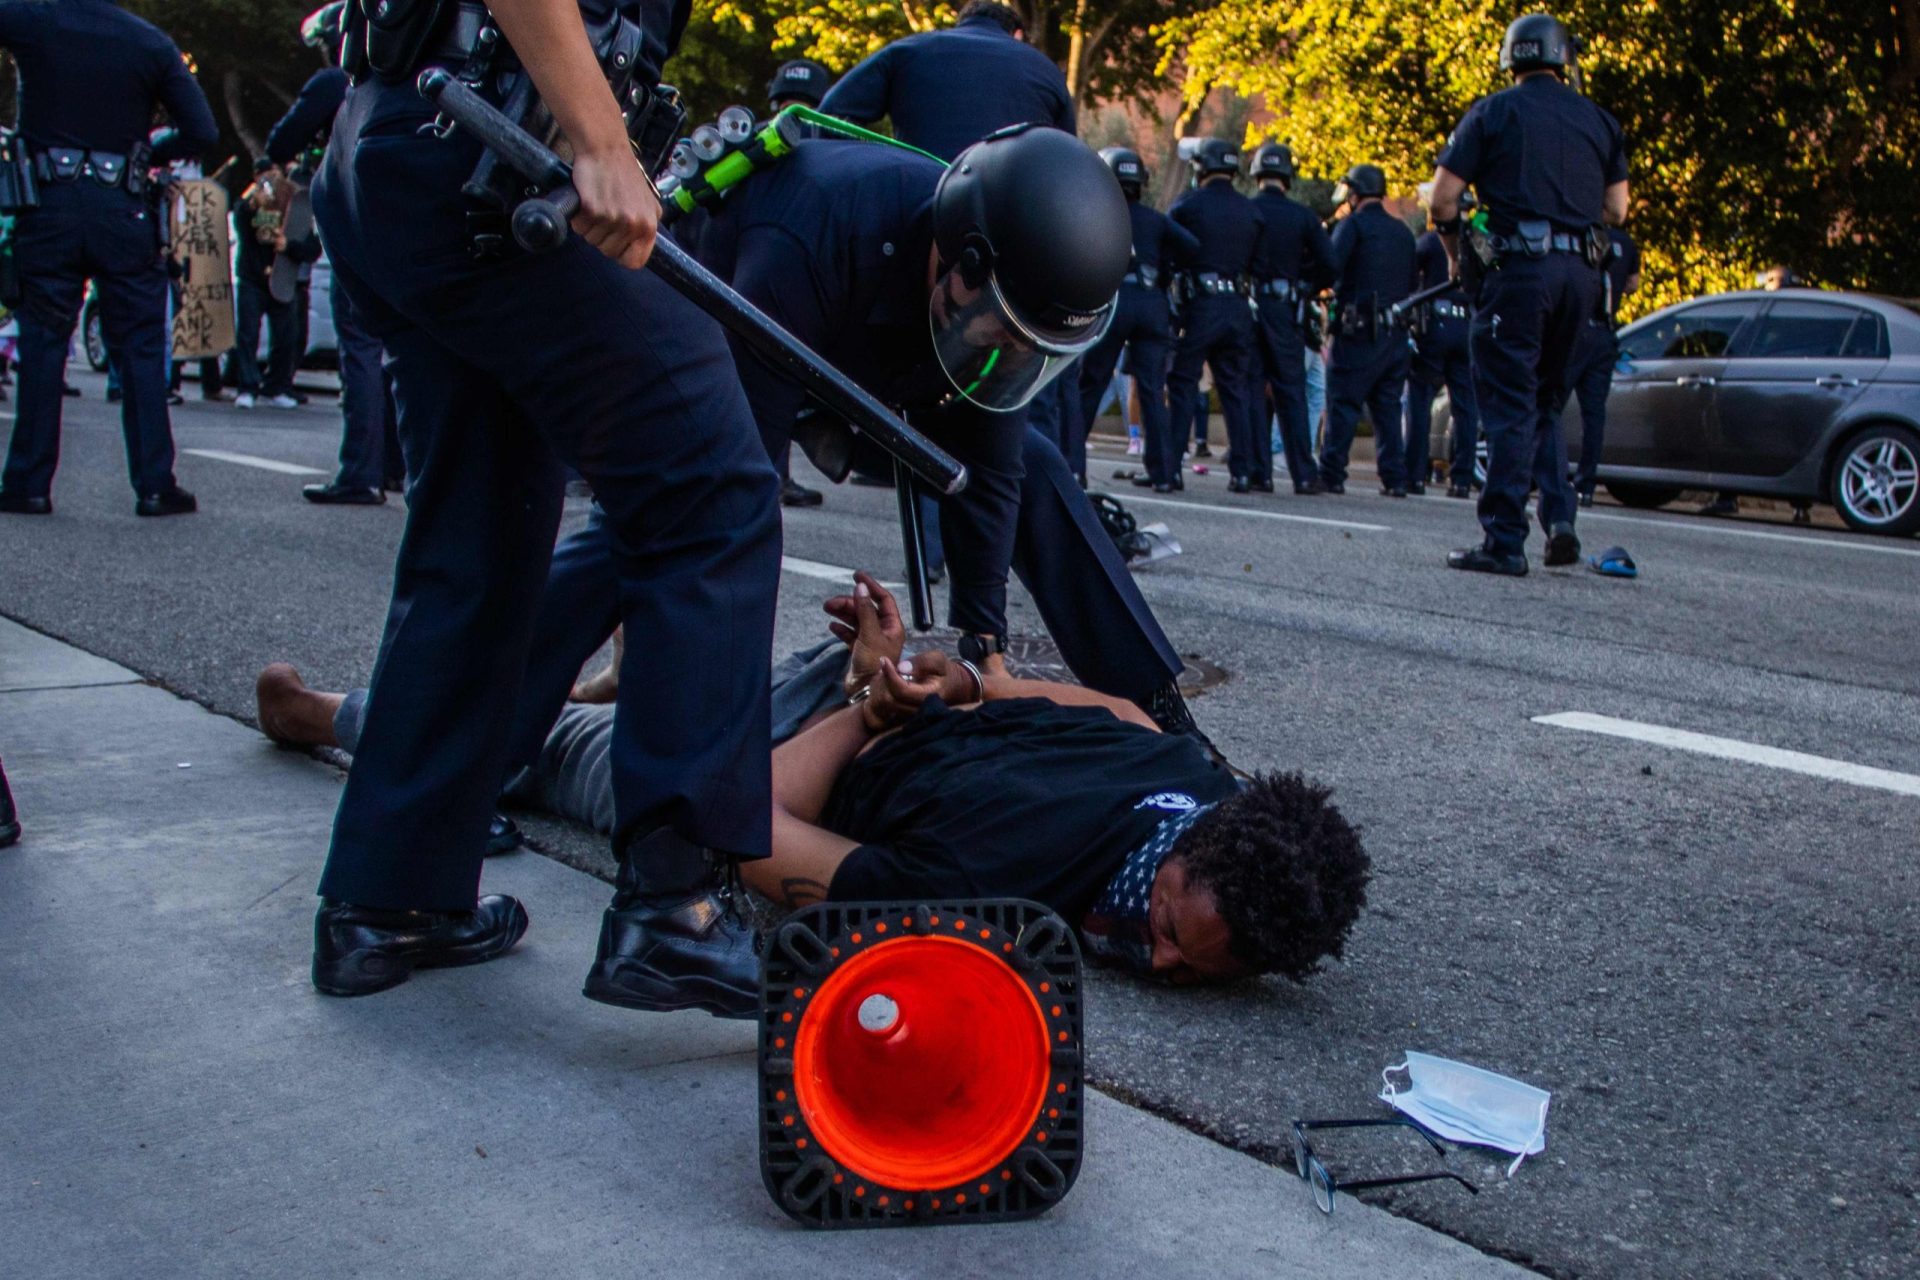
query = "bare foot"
{"x": 603, "y": 686}
{"x": 293, "y": 714}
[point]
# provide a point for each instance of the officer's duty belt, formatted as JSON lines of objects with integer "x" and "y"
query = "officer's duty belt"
{"x": 1450, "y": 310}
{"x": 1558, "y": 242}
{"x": 461, "y": 40}
{"x": 1146, "y": 275}
{"x": 1212, "y": 283}
{"x": 1280, "y": 287}
{"x": 70, "y": 164}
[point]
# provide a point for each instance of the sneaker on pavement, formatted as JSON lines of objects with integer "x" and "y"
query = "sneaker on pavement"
{"x": 244, "y": 400}
{"x": 283, "y": 402}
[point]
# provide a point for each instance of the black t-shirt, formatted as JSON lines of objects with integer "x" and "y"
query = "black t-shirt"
{"x": 1022, "y": 798}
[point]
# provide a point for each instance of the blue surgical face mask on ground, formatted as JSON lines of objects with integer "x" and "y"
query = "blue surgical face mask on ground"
{"x": 1469, "y": 1104}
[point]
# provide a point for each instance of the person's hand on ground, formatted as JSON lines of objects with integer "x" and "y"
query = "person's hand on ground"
{"x": 868, "y": 622}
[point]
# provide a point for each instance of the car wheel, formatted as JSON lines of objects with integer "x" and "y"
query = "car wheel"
{"x": 93, "y": 337}
{"x": 1644, "y": 496}
{"x": 1876, "y": 481}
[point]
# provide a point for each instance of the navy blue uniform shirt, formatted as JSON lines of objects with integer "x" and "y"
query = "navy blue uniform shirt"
{"x": 946, "y": 90}
{"x": 91, "y": 74}
{"x": 1224, "y": 223}
{"x": 1373, "y": 257}
{"x": 1538, "y": 150}
{"x": 1158, "y": 240}
{"x": 1623, "y": 262}
{"x": 1293, "y": 243}
{"x": 310, "y": 116}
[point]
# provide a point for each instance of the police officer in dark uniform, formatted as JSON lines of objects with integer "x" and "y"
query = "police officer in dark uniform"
{"x": 946, "y": 90}
{"x": 507, "y": 365}
{"x": 365, "y": 408}
{"x": 1216, "y": 322}
{"x": 802, "y": 81}
{"x": 91, "y": 76}
{"x": 1373, "y": 271}
{"x": 837, "y": 243}
{"x": 1441, "y": 359}
{"x": 1294, "y": 262}
{"x": 1550, "y": 167}
{"x": 1592, "y": 376}
{"x": 1141, "y": 327}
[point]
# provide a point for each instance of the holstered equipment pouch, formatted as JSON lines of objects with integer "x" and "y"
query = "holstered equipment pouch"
{"x": 1532, "y": 237}
{"x": 398, "y": 32}
{"x": 1599, "y": 246}
{"x": 19, "y": 187}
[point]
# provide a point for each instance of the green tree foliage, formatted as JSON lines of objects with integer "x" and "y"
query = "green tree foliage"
{"x": 1759, "y": 131}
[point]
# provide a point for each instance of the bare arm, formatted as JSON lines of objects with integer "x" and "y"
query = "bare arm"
{"x": 805, "y": 854}
{"x": 1000, "y": 688}
{"x": 1614, "y": 212}
{"x": 1444, "y": 207}
{"x": 619, "y": 213}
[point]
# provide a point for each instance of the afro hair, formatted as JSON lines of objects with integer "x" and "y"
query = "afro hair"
{"x": 1286, "y": 869}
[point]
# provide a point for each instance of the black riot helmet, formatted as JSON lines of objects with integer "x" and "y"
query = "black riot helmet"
{"x": 1129, "y": 168}
{"x": 801, "y": 80}
{"x": 1032, "y": 234}
{"x": 1537, "y": 42}
{"x": 1213, "y": 155}
{"x": 1273, "y": 160}
{"x": 322, "y": 29}
{"x": 1363, "y": 182}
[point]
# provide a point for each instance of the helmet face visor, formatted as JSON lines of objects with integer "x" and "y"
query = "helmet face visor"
{"x": 992, "y": 357}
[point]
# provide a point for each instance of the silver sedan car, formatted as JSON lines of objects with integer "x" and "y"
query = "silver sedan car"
{"x": 1802, "y": 394}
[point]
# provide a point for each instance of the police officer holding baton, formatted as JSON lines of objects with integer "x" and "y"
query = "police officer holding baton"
{"x": 1550, "y": 167}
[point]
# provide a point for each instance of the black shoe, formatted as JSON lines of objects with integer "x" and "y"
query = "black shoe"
{"x": 9, "y": 819}
{"x": 175, "y": 398}
{"x": 1262, "y": 486}
{"x": 1202, "y": 451}
{"x": 68, "y": 389}
{"x": 1802, "y": 515}
{"x": 21, "y": 504}
{"x": 342, "y": 495}
{"x": 174, "y": 502}
{"x": 1144, "y": 481}
{"x": 1334, "y": 486}
{"x": 1562, "y": 547}
{"x": 798, "y": 495}
{"x": 1586, "y": 500}
{"x": 1163, "y": 488}
{"x": 113, "y": 395}
{"x": 1393, "y": 491}
{"x": 394, "y": 484}
{"x": 1237, "y": 485}
{"x": 1459, "y": 491}
{"x": 679, "y": 949}
{"x": 360, "y": 950}
{"x": 503, "y": 835}
{"x": 1168, "y": 707}
{"x": 1417, "y": 487}
{"x": 1481, "y": 560}
{"x": 1309, "y": 490}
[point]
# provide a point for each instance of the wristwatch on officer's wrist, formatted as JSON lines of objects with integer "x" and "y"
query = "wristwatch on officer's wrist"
{"x": 978, "y": 648}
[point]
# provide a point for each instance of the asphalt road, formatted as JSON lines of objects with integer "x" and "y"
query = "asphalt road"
{"x": 1710, "y": 962}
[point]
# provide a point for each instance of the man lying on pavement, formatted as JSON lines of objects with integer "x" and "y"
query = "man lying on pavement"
{"x": 940, "y": 782}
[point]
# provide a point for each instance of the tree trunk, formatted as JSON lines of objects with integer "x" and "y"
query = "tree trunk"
{"x": 230, "y": 99}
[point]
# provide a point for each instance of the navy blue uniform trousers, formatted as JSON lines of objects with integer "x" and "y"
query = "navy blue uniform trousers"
{"x": 1441, "y": 360}
{"x": 1219, "y": 333}
{"x": 1527, "y": 325}
{"x": 1281, "y": 372}
{"x": 1371, "y": 375}
{"x": 366, "y": 401}
{"x": 1592, "y": 381}
{"x": 82, "y": 230}
{"x": 1143, "y": 329}
{"x": 503, "y": 371}
{"x": 1089, "y": 602}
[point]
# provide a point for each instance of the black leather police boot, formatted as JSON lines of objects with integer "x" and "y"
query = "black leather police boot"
{"x": 1237, "y": 485}
{"x": 1309, "y": 490}
{"x": 1481, "y": 560}
{"x": 1334, "y": 486}
{"x": 339, "y": 495}
{"x": 798, "y": 495}
{"x": 173, "y": 502}
{"x": 663, "y": 949}
{"x": 503, "y": 835}
{"x": 1459, "y": 491}
{"x": 20, "y": 504}
{"x": 1417, "y": 487}
{"x": 1562, "y": 546}
{"x": 1586, "y": 500}
{"x": 1168, "y": 707}
{"x": 1262, "y": 486}
{"x": 1393, "y": 491}
{"x": 360, "y": 950}
{"x": 9, "y": 820}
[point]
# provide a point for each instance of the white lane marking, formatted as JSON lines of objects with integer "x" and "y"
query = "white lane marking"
{"x": 1211, "y": 509}
{"x": 249, "y": 460}
{"x": 839, "y": 575}
{"x": 1859, "y": 775}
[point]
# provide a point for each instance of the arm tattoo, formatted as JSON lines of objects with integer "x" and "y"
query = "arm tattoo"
{"x": 798, "y": 891}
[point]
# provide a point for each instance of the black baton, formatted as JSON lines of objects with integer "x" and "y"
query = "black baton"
{"x": 1412, "y": 300}
{"x": 540, "y": 226}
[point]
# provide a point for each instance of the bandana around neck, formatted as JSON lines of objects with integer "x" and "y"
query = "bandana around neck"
{"x": 1116, "y": 928}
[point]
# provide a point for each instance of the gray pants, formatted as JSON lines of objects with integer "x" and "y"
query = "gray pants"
{"x": 573, "y": 776}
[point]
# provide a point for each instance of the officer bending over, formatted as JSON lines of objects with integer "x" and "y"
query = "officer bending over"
{"x": 1216, "y": 325}
{"x": 1294, "y": 262}
{"x": 91, "y": 79}
{"x": 507, "y": 365}
{"x": 1550, "y": 167}
{"x": 1441, "y": 359}
{"x": 946, "y": 90}
{"x": 1373, "y": 270}
{"x": 993, "y": 786}
{"x": 1142, "y": 327}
